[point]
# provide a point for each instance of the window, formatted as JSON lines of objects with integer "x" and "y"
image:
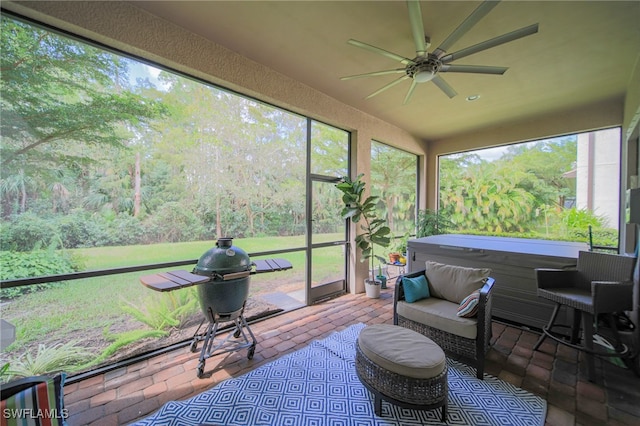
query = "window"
{"x": 394, "y": 176}
{"x": 109, "y": 162}
{"x": 556, "y": 188}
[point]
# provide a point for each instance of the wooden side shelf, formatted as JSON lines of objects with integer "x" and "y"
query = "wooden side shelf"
{"x": 172, "y": 280}
{"x": 272, "y": 265}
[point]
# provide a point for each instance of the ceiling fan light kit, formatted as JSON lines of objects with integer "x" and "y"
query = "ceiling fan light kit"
{"x": 426, "y": 66}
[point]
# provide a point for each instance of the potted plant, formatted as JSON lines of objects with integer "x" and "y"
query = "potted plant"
{"x": 374, "y": 229}
{"x": 399, "y": 248}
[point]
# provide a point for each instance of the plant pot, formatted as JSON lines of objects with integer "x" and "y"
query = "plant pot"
{"x": 393, "y": 257}
{"x": 383, "y": 281}
{"x": 372, "y": 288}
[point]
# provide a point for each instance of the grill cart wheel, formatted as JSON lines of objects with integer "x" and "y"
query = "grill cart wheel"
{"x": 200, "y": 372}
{"x": 194, "y": 346}
{"x": 252, "y": 350}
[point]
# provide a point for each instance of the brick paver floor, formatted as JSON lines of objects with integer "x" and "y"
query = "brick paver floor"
{"x": 554, "y": 372}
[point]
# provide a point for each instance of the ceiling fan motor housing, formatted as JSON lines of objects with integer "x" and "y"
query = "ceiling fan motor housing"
{"x": 424, "y": 68}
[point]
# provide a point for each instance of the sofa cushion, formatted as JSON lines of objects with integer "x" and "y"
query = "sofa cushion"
{"x": 468, "y": 308}
{"x": 440, "y": 314}
{"x": 454, "y": 283}
{"x": 415, "y": 288}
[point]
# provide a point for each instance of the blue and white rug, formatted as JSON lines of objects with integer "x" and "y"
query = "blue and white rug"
{"x": 318, "y": 385}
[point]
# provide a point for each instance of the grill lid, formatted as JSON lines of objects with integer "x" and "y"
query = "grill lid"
{"x": 222, "y": 259}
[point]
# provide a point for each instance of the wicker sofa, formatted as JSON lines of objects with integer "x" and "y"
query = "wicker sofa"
{"x": 438, "y": 315}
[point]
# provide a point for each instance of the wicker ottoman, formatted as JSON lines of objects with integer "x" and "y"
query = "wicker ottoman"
{"x": 402, "y": 367}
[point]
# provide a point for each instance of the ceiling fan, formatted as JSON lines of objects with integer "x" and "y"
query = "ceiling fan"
{"x": 427, "y": 66}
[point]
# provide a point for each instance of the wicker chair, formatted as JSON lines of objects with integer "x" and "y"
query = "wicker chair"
{"x": 601, "y": 285}
{"x": 470, "y": 351}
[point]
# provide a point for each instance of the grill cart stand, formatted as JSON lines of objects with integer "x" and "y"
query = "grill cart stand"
{"x": 223, "y": 345}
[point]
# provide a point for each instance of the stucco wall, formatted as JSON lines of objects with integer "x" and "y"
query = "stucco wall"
{"x": 631, "y": 120}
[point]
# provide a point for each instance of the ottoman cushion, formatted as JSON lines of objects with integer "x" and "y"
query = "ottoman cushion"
{"x": 402, "y": 351}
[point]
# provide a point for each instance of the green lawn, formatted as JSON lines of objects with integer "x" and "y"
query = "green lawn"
{"x": 114, "y": 257}
{"x": 87, "y": 310}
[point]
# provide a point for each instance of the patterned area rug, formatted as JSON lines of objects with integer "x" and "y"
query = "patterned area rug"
{"x": 318, "y": 386}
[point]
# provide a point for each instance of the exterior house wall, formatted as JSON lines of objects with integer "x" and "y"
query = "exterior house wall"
{"x": 598, "y": 174}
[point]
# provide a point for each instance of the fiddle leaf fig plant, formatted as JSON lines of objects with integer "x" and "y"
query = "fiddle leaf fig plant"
{"x": 375, "y": 231}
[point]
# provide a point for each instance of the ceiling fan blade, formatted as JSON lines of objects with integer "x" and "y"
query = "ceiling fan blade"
{"x": 488, "y": 44}
{"x": 372, "y": 74}
{"x": 474, "y": 69}
{"x": 410, "y": 92}
{"x": 444, "y": 86}
{"x": 379, "y": 51}
{"x": 480, "y": 12}
{"x": 388, "y": 86}
{"x": 417, "y": 27}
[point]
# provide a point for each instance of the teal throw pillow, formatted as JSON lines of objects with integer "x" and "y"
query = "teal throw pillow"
{"x": 415, "y": 288}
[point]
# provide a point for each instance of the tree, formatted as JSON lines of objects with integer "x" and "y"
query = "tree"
{"x": 240, "y": 163}
{"x": 393, "y": 177}
{"x": 505, "y": 195}
{"x": 548, "y": 161}
{"x": 487, "y": 199}
{"x": 60, "y": 106}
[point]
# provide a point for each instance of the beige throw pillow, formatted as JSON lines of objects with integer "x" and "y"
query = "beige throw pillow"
{"x": 454, "y": 283}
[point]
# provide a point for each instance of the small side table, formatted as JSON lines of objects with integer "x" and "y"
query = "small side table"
{"x": 400, "y": 268}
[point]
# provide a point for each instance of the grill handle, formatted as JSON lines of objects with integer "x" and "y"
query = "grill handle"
{"x": 235, "y": 275}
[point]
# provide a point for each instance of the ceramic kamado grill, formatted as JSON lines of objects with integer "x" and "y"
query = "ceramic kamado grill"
{"x": 222, "y": 275}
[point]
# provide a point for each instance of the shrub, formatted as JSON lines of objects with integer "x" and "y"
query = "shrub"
{"x": 28, "y": 231}
{"x": 34, "y": 264}
{"x": 121, "y": 340}
{"x": 173, "y": 223}
{"x": 160, "y": 312}
{"x": 53, "y": 359}
{"x": 580, "y": 219}
{"x": 600, "y": 237}
{"x": 166, "y": 310}
{"x": 125, "y": 230}
{"x": 81, "y": 229}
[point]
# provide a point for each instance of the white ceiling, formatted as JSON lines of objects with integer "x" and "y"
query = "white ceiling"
{"x": 584, "y": 53}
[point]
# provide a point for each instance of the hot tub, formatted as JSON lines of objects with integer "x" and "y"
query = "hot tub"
{"x": 512, "y": 261}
